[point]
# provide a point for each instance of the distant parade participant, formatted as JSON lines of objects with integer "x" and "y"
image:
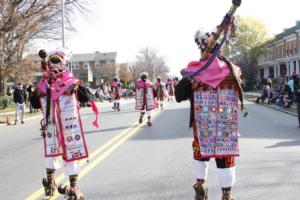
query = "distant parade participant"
{"x": 160, "y": 91}
{"x": 116, "y": 93}
{"x": 175, "y": 80}
{"x": 213, "y": 86}
{"x": 145, "y": 101}
{"x": 170, "y": 89}
{"x": 64, "y": 141}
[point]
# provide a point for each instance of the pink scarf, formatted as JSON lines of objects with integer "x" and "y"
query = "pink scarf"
{"x": 213, "y": 75}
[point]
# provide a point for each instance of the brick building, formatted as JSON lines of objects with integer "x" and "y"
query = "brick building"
{"x": 102, "y": 65}
{"x": 283, "y": 55}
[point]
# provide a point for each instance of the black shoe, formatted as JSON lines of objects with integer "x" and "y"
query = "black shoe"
{"x": 22, "y": 122}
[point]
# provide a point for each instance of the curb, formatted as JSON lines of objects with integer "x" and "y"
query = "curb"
{"x": 106, "y": 103}
{"x": 274, "y": 108}
{"x": 285, "y": 111}
{"x": 27, "y": 119}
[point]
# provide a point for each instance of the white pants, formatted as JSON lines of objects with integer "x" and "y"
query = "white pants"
{"x": 72, "y": 167}
{"x": 160, "y": 103}
{"x": 226, "y": 175}
{"x": 147, "y": 112}
{"x": 19, "y": 108}
{"x": 116, "y": 101}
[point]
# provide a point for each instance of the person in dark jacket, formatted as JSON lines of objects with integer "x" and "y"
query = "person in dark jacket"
{"x": 297, "y": 95}
{"x": 20, "y": 100}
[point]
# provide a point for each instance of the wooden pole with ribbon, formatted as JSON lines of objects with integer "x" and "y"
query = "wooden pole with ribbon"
{"x": 221, "y": 28}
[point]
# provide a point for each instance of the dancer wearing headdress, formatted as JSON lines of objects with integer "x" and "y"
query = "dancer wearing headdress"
{"x": 116, "y": 93}
{"x": 213, "y": 86}
{"x": 64, "y": 143}
{"x": 144, "y": 97}
{"x": 160, "y": 92}
{"x": 170, "y": 88}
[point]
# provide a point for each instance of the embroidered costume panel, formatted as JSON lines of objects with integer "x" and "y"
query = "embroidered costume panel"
{"x": 216, "y": 120}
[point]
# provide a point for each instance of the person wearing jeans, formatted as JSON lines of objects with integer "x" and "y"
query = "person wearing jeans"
{"x": 19, "y": 99}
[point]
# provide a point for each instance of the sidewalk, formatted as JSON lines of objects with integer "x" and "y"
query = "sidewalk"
{"x": 251, "y": 96}
{"x": 30, "y": 116}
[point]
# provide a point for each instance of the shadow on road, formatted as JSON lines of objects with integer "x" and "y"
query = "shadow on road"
{"x": 285, "y": 144}
{"x": 108, "y": 129}
{"x": 116, "y": 112}
{"x": 170, "y": 124}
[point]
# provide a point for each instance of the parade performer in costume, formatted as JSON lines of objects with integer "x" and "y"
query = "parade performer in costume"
{"x": 64, "y": 143}
{"x": 116, "y": 93}
{"x": 144, "y": 97}
{"x": 213, "y": 86}
{"x": 160, "y": 91}
{"x": 170, "y": 89}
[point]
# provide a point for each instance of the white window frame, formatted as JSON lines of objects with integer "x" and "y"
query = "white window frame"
{"x": 86, "y": 65}
{"x": 75, "y": 65}
{"x": 108, "y": 63}
{"x": 97, "y": 64}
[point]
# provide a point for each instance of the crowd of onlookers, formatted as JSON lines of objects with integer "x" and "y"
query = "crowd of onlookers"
{"x": 22, "y": 95}
{"x": 283, "y": 95}
{"x": 103, "y": 93}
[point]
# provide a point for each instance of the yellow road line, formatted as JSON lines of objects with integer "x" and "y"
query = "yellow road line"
{"x": 125, "y": 135}
{"x": 60, "y": 177}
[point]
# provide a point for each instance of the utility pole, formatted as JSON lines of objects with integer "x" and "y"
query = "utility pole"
{"x": 63, "y": 23}
{"x": 154, "y": 72}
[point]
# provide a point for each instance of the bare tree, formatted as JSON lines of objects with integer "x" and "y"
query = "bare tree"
{"x": 149, "y": 61}
{"x": 24, "y": 20}
{"x": 124, "y": 72}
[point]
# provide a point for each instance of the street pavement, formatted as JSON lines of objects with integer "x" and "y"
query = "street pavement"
{"x": 135, "y": 162}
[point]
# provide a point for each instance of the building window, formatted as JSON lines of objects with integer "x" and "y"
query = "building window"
{"x": 271, "y": 72}
{"x": 75, "y": 65}
{"x": 85, "y": 65}
{"x": 283, "y": 69}
{"x": 295, "y": 66}
{"x": 97, "y": 64}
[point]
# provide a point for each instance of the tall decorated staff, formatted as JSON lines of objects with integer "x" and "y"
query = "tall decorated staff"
{"x": 58, "y": 96}
{"x": 223, "y": 27}
{"x": 213, "y": 86}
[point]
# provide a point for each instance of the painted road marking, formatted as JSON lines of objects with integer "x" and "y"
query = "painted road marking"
{"x": 118, "y": 140}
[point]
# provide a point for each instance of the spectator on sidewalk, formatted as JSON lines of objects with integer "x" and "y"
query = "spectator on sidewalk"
{"x": 30, "y": 90}
{"x": 297, "y": 94}
{"x": 264, "y": 94}
{"x": 20, "y": 100}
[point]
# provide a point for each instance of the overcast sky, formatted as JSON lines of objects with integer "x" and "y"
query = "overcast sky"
{"x": 126, "y": 26}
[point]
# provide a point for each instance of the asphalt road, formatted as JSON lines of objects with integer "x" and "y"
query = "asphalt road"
{"x": 135, "y": 162}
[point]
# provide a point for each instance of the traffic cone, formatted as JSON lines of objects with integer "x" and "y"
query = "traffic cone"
{"x": 7, "y": 121}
